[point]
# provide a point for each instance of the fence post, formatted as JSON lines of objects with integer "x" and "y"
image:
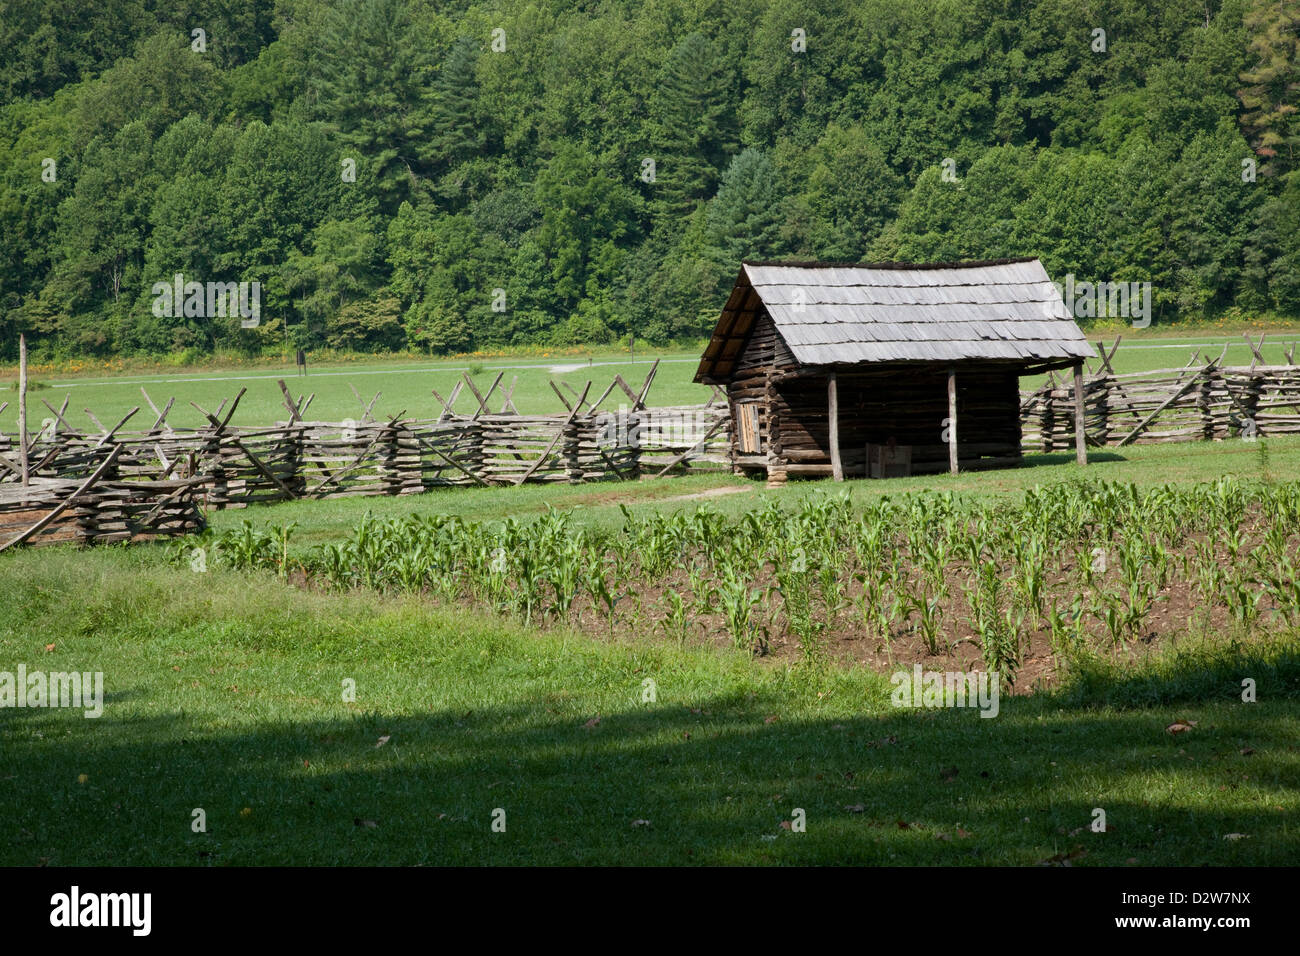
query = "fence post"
{"x": 1047, "y": 418}
{"x": 1254, "y": 391}
{"x": 475, "y": 450}
{"x": 1203, "y": 404}
{"x": 1103, "y": 386}
{"x": 634, "y": 425}
{"x": 1080, "y": 433}
{"x": 571, "y": 444}
{"x": 22, "y": 410}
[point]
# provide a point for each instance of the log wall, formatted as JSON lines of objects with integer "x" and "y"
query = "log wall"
{"x": 905, "y": 405}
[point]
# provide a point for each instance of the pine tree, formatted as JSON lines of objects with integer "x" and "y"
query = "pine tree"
{"x": 371, "y": 83}
{"x": 693, "y": 125}
{"x": 1272, "y": 97}
{"x": 744, "y": 220}
{"x": 454, "y": 129}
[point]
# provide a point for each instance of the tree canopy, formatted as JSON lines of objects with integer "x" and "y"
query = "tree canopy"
{"x": 461, "y": 175}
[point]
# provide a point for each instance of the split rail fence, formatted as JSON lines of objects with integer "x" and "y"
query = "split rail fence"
{"x": 115, "y": 484}
{"x": 1202, "y": 401}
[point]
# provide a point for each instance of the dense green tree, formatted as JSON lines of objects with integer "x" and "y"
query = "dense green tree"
{"x": 371, "y": 81}
{"x": 694, "y": 127}
{"x": 850, "y": 196}
{"x": 1272, "y": 93}
{"x": 470, "y": 175}
{"x": 340, "y": 267}
{"x": 367, "y": 325}
{"x": 586, "y": 216}
{"x": 456, "y": 132}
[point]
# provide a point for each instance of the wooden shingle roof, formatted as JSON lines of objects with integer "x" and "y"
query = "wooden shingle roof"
{"x": 845, "y": 314}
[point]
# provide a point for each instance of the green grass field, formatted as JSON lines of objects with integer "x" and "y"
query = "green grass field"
{"x": 405, "y": 385}
{"x": 405, "y": 388}
{"x": 224, "y": 692}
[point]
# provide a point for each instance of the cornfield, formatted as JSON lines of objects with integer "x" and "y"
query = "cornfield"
{"x": 1084, "y": 566}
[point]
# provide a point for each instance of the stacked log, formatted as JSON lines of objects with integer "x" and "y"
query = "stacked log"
{"x": 105, "y": 512}
{"x": 1168, "y": 405}
{"x": 1277, "y": 409}
{"x": 402, "y": 468}
{"x": 125, "y": 511}
{"x": 699, "y": 432}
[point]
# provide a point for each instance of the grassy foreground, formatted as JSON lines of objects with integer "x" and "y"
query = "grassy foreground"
{"x": 228, "y": 698}
{"x": 225, "y": 693}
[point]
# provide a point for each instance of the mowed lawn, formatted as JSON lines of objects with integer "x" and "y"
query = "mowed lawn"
{"x": 404, "y": 386}
{"x": 225, "y": 692}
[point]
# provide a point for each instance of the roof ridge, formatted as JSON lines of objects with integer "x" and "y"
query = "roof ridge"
{"x": 815, "y": 264}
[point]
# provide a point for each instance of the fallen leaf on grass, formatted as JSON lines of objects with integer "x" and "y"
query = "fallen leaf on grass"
{"x": 785, "y": 824}
{"x": 383, "y": 740}
{"x": 369, "y": 824}
{"x": 1180, "y": 726}
{"x": 49, "y": 647}
{"x": 771, "y": 720}
{"x": 855, "y": 808}
{"x": 1236, "y": 836}
{"x": 948, "y": 774}
{"x": 640, "y": 823}
{"x": 595, "y": 721}
{"x": 1247, "y": 751}
{"x": 962, "y": 834}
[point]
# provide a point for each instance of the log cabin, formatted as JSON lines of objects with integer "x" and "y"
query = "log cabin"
{"x": 876, "y": 370}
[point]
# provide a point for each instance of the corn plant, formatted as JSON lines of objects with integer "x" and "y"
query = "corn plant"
{"x": 737, "y": 600}
{"x": 677, "y": 622}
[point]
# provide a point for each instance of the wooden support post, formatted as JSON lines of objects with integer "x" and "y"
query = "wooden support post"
{"x": 22, "y": 409}
{"x": 952, "y": 420}
{"x": 1080, "y": 438}
{"x": 833, "y": 403}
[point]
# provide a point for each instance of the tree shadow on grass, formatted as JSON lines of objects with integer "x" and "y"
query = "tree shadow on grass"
{"x": 663, "y": 783}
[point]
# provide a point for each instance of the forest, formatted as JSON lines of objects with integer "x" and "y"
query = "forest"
{"x": 445, "y": 177}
